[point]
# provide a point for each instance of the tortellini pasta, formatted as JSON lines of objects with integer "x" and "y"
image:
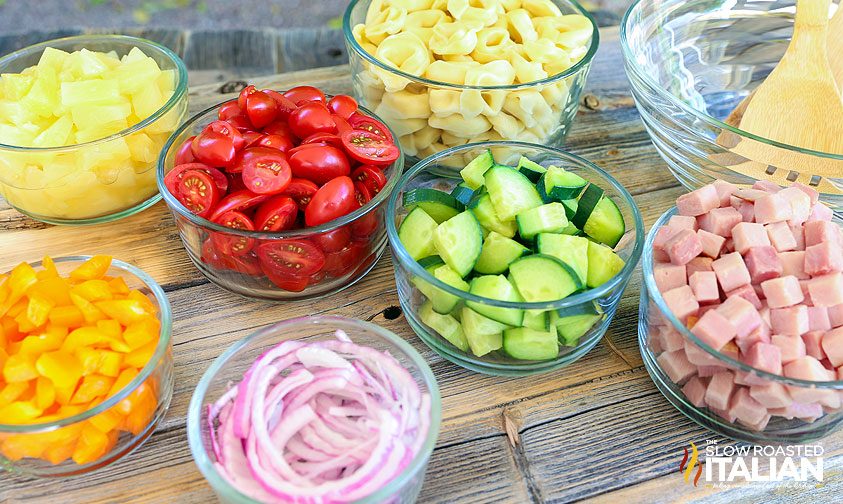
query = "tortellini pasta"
{"x": 477, "y": 60}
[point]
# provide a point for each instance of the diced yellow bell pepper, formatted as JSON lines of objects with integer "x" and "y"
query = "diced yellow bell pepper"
{"x": 93, "y": 290}
{"x": 49, "y": 268}
{"x": 125, "y": 377}
{"x": 22, "y": 277}
{"x": 92, "y": 445}
{"x": 92, "y": 387}
{"x": 84, "y": 336}
{"x": 125, "y": 311}
{"x": 111, "y": 328}
{"x": 53, "y": 288}
{"x": 12, "y": 392}
{"x": 19, "y": 368}
{"x": 63, "y": 394}
{"x": 141, "y": 356}
{"x": 18, "y": 446}
{"x": 44, "y": 342}
{"x": 38, "y": 309}
{"x": 142, "y": 332}
{"x": 59, "y": 452}
{"x": 144, "y": 300}
{"x": 67, "y": 316}
{"x": 110, "y": 363}
{"x": 19, "y": 307}
{"x": 118, "y": 286}
{"x": 45, "y": 393}
{"x": 107, "y": 421}
{"x": 19, "y": 412}
{"x": 91, "y": 269}
{"x": 3, "y": 356}
{"x": 60, "y": 366}
{"x": 90, "y": 312}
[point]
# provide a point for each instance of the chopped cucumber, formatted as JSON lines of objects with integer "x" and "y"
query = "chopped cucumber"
{"x": 496, "y": 287}
{"x": 530, "y": 169}
{"x": 603, "y": 264}
{"x": 549, "y": 218}
{"x": 586, "y": 204}
{"x": 443, "y": 302}
{"x": 543, "y": 278}
{"x": 462, "y": 193}
{"x": 447, "y": 326}
{"x": 459, "y": 241}
{"x": 536, "y": 320}
{"x": 587, "y": 308}
{"x": 441, "y": 206}
{"x": 571, "y": 250}
{"x": 570, "y": 207}
{"x": 427, "y": 262}
{"x": 605, "y": 224}
{"x": 571, "y": 229}
{"x": 482, "y": 208}
{"x": 474, "y": 171}
{"x": 497, "y": 253}
{"x": 416, "y": 234}
{"x": 511, "y": 192}
{"x": 571, "y": 329}
{"x": 484, "y": 335}
{"x": 556, "y": 184}
{"x": 529, "y": 344}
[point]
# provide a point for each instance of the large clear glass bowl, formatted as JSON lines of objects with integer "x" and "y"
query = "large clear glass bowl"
{"x": 101, "y": 180}
{"x": 155, "y": 378}
{"x": 229, "y": 368}
{"x": 547, "y": 120}
{"x": 441, "y": 171}
{"x": 690, "y": 64}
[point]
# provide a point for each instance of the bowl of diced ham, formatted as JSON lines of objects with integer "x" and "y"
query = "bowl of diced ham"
{"x": 741, "y": 324}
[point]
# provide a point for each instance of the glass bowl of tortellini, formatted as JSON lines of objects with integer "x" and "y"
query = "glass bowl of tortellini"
{"x": 444, "y": 73}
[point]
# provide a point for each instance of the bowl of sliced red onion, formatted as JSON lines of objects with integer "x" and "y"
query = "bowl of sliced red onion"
{"x": 316, "y": 409}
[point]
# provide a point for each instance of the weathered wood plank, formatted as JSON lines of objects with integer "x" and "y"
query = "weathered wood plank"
{"x": 305, "y": 48}
{"x": 256, "y": 49}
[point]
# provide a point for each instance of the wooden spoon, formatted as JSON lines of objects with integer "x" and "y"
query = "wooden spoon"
{"x": 835, "y": 45}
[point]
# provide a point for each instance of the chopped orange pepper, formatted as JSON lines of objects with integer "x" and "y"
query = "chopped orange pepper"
{"x": 140, "y": 356}
{"x": 49, "y": 268}
{"x": 55, "y": 289}
{"x": 19, "y": 412}
{"x": 142, "y": 332}
{"x": 91, "y": 269}
{"x": 58, "y": 452}
{"x": 106, "y": 421}
{"x": 118, "y": 285}
{"x": 84, "y": 336}
{"x": 92, "y": 387}
{"x": 19, "y": 368}
{"x": 90, "y": 312}
{"x": 45, "y": 393}
{"x": 93, "y": 290}
{"x": 38, "y": 309}
{"x": 50, "y": 339}
{"x": 125, "y": 311}
{"x": 12, "y": 392}
{"x": 60, "y": 366}
{"x": 67, "y": 316}
{"x": 111, "y": 328}
{"x": 92, "y": 445}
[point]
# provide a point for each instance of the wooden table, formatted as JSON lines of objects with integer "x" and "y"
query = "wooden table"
{"x": 596, "y": 430}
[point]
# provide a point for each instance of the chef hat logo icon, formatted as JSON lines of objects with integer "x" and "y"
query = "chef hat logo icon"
{"x": 694, "y": 462}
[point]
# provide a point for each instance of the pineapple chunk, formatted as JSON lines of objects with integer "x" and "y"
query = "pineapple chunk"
{"x": 142, "y": 148}
{"x": 147, "y": 101}
{"x": 109, "y": 119}
{"x": 42, "y": 98}
{"x": 53, "y": 58}
{"x": 56, "y": 135}
{"x": 15, "y": 86}
{"x": 134, "y": 75}
{"x": 87, "y": 64}
{"x": 90, "y": 92}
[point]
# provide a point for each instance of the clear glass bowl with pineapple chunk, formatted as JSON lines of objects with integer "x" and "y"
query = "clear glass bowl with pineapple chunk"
{"x": 82, "y": 121}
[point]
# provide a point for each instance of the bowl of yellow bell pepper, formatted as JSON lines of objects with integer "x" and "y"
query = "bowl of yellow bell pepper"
{"x": 86, "y": 360}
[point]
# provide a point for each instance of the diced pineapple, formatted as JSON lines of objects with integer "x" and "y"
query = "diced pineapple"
{"x": 12, "y": 135}
{"x": 109, "y": 59}
{"x": 42, "y": 98}
{"x": 56, "y": 135}
{"x": 142, "y": 148}
{"x": 134, "y": 75}
{"x": 107, "y": 119}
{"x": 147, "y": 101}
{"x": 87, "y": 64}
{"x": 134, "y": 55}
{"x": 90, "y": 92}
{"x": 15, "y": 86}
{"x": 53, "y": 58}
{"x": 167, "y": 82}
{"x": 16, "y": 113}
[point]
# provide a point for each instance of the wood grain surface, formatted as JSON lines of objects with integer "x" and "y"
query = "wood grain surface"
{"x": 596, "y": 430}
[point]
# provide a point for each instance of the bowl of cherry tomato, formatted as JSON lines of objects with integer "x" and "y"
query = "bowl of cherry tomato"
{"x": 281, "y": 195}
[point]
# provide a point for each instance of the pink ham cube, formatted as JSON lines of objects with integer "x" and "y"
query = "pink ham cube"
{"x": 681, "y": 302}
{"x": 780, "y": 236}
{"x": 772, "y": 208}
{"x": 708, "y": 371}
{"x": 813, "y": 195}
{"x": 835, "y": 315}
{"x": 803, "y": 284}
{"x": 724, "y": 414}
{"x": 803, "y": 411}
{"x": 682, "y": 222}
{"x": 699, "y": 201}
{"x": 731, "y": 271}
{"x": 821, "y": 231}
{"x": 813, "y": 344}
{"x": 826, "y": 290}
{"x": 791, "y": 347}
{"x": 799, "y": 235}
{"x": 711, "y": 243}
{"x": 683, "y": 246}
{"x": 823, "y": 258}
{"x": 763, "y": 263}
{"x": 800, "y": 204}
{"x": 748, "y": 379}
{"x": 792, "y": 320}
{"x": 746, "y": 211}
{"x": 720, "y": 221}
{"x": 698, "y": 263}
{"x": 806, "y": 368}
{"x": 747, "y": 292}
{"x": 820, "y": 212}
{"x": 746, "y": 409}
{"x": 742, "y": 315}
{"x": 832, "y": 344}
{"x": 714, "y": 329}
{"x": 676, "y": 366}
{"x": 700, "y": 357}
{"x": 694, "y": 391}
{"x": 670, "y": 339}
{"x": 765, "y": 356}
{"x": 782, "y": 291}
{"x": 719, "y": 390}
{"x": 669, "y": 276}
{"x": 760, "y": 335}
{"x": 793, "y": 263}
{"x": 771, "y": 395}
{"x": 818, "y": 319}
{"x": 749, "y": 234}
{"x": 724, "y": 191}
{"x": 766, "y": 186}
{"x": 704, "y": 285}
{"x": 664, "y": 234}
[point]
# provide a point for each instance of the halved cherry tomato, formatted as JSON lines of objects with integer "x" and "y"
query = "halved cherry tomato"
{"x": 367, "y": 147}
{"x": 304, "y": 146}
{"x": 214, "y": 149}
{"x": 261, "y": 109}
{"x": 235, "y": 182}
{"x": 371, "y": 177}
{"x": 198, "y": 192}
{"x": 334, "y": 199}
{"x": 251, "y": 137}
{"x": 300, "y": 94}
{"x": 301, "y": 190}
{"x": 365, "y": 225}
{"x": 232, "y": 244}
{"x": 342, "y": 125}
{"x": 291, "y": 257}
{"x": 345, "y": 260}
{"x": 342, "y": 105}
{"x": 276, "y": 214}
{"x": 319, "y": 164}
{"x": 362, "y": 122}
{"x": 267, "y": 174}
{"x": 311, "y": 118}
{"x": 241, "y": 122}
{"x": 246, "y": 156}
{"x": 174, "y": 176}
{"x": 279, "y": 128}
{"x": 287, "y": 282}
{"x": 323, "y": 138}
{"x": 185, "y": 152}
{"x": 285, "y": 105}
{"x": 210, "y": 255}
{"x": 333, "y": 241}
{"x": 228, "y": 110}
{"x": 238, "y": 200}
{"x": 228, "y": 130}
{"x": 277, "y": 142}
{"x": 362, "y": 193}
{"x": 244, "y": 93}
{"x": 247, "y": 264}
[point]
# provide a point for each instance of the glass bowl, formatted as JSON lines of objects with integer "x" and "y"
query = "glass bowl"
{"x": 243, "y": 275}
{"x": 22, "y": 446}
{"x": 102, "y": 180}
{"x": 229, "y": 368}
{"x": 439, "y": 172}
{"x": 660, "y": 333}
{"x": 690, "y": 64}
{"x": 538, "y": 112}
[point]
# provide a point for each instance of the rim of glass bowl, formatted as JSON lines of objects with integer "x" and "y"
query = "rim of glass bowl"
{"x": 165, "y": 316}
{"x": 143, "y": 44}
{"x": 408, "y": 262}
{"x": 175, "y": 204}
{"x": 586, "y": 59}
{"x": 656, "y": 296}
{"x": 629, "y": 57}
{"x": 195, "y": 415}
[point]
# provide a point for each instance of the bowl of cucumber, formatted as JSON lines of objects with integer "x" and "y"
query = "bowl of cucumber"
{"x": 513, "y": 264}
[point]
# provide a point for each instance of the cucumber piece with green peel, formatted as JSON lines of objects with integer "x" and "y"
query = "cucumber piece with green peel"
{"x": 497, "y": 253}
{"x": 605, "y": 223}
{"x": 482, "y": 208}
{"x": 603, "y": 264}
{"x": 462, "y": 193}
{"x": 474, "y": 171}
{"x": 525, "y": 343}
{"x": 530, "y": 169}
{"x": 458, "y": 241}
{"x": 445, "y": 325}
{"x": 416, "y": 233}
{"x": 572, "y": 328}
{"x": 548, "y": 218}
{"x": 557, "y": 184}
{"x": 511, "y": 192}
{"x": 483, "y": 334}
{"x": 542, "y": 277}
{"x": 427, "y": 262}
{"x": 586, "y": 204}
{"x": 442, "y": 302}
{"x": 440, "y": 205}
{"x": 571, "y": 250}
{"x": 570, "y": 207}
{"x": 537, "y": 320}
{"x": 496, "y": 287}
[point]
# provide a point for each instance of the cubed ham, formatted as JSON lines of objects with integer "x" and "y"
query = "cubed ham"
{"x": 821, "y": 231}
{"x": 780, "y": 236}
{"x": 761, "y": 424}
{"x": 724, "y": 414}
{"x": 712, "y": 244}
{"x": 826, "y": 290}
{"x": 803, "y": 411}
{"x": 749, "y": 234}
{"x": 772, "y": 208}
{"x": 700, "y": 357}
{"x": 832, "y": 344}
{"x": 835, "y": 315}
{"x": 750, "y": 194}
{"x": 813, "y": 344}
{"x": 766, "y": 186}
{"x": 818, "y": 319}
{"x": 792, "y": 320}
{"x": 800, "y": 204}
{"x": 683, "y": 246}
{"x": 742, "y": 315}
{"x": 704, "y": 286}
{"x": 724, "y": 191}
{"x": 792, "y": 347}
{"x": 803, "y": 284}
{"x": 655, "y": 316}
{"x": 670, "y": 339}
{"x": 760, "y": 335}
{"x": 746, "y": 211}
{"x": 728, "y": 246}
{"x": 720, "y": 221}
{"x": 765, "y": 357}
{"x": 793, "y": 263}
{"x": 823, "y": 258}
{"x": 747, "y": 292}
{"x": 771, "y": 395}
{"x": 763, "y": 263}
{"x": 782, "y": 291}
{"x": 731, "y": 350}
{"x": 683, "y": 222}
{"x": 698, "y": 263}
{"x": 731, "y": 271}
{"x": 719, "y": 390}
{"x": 699, "y": 201}
{"x": 714, "y": 329}
{"x": 694, "y": 391}
{"x": 799, "y": 235}
{"x": 676, "y": 366}
{"x": 663, "y": 235}
{"x": 669, "y": 276}
{"x": 820, "y": 212}
{"x": 813, "y": 195}
{"x": 805, "y": 368}
{"x": 748, "y": 378}
{"x": 681, "y": 302}
{"x": 708, "y": 371}
{"x": 746, "y": 409}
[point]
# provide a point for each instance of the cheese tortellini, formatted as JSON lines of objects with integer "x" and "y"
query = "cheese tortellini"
{"x": 485, "y": 53}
